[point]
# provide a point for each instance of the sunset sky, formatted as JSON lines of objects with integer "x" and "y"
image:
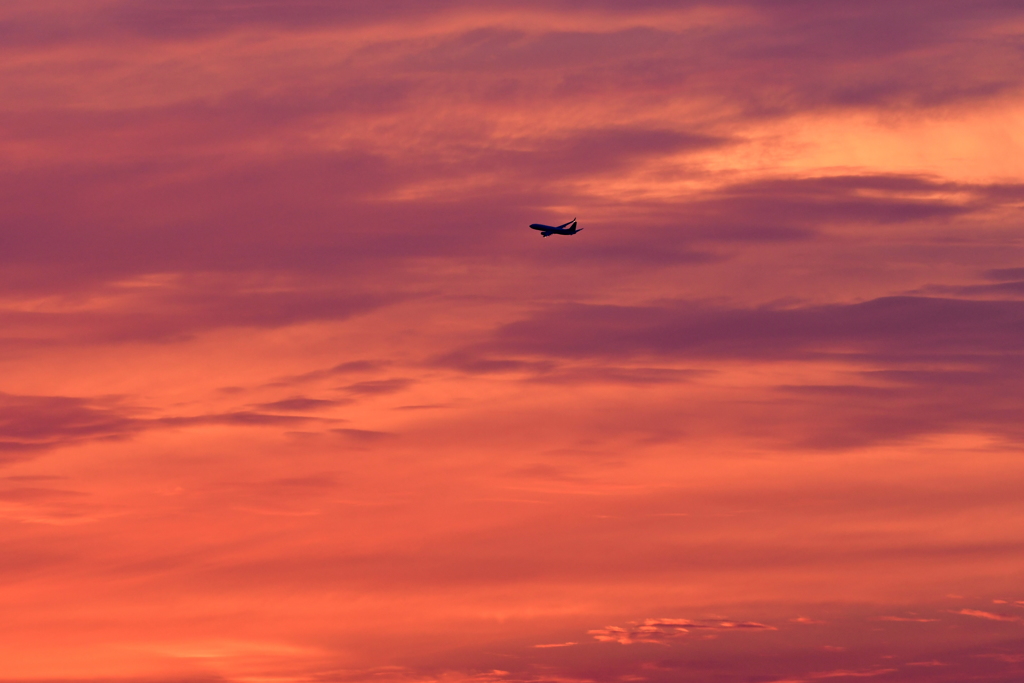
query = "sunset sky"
{"x": 290, "y": 393}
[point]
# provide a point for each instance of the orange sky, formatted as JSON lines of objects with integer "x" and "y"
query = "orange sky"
{"x": 290, "y": 392}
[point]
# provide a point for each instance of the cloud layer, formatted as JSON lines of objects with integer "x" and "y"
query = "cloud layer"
{"x": 289, "y": 391}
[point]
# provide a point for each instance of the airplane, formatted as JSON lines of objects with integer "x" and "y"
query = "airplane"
{"x": 556, "y": 229}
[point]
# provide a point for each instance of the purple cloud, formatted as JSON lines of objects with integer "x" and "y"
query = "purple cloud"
{"x": 34, "y": 423}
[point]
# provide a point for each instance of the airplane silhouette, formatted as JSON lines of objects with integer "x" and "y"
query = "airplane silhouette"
{"x": 546, "y": 230}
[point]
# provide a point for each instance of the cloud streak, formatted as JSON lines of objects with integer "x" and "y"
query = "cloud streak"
{"x": 35, "y": 423}
{"x": 662, "y": 630}
{"x": 991, "y": 616}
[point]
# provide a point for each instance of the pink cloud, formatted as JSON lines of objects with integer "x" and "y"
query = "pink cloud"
{"x": 660, "y": 630}
{"x": 550, "y": 645}
{"x": 987, "y": 615}
{"x": 807, "y": 620}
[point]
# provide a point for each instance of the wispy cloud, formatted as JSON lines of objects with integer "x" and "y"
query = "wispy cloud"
{"x": 848, "y": 673}
{"x": 549, "y": 645}
{"x": 662, "y": 630}
{"x": 301, "y": 404}
{"x": 991, "y": 616}
{"x": 379, "y": 387}
{"x": 35, "y": 423}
